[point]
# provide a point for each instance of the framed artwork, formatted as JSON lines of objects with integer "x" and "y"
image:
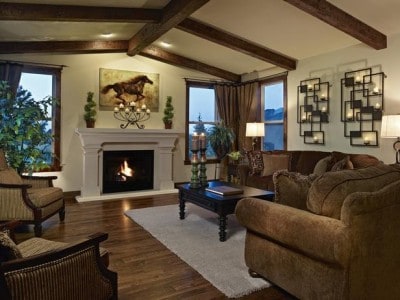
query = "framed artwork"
{"x": 121, "y": 86}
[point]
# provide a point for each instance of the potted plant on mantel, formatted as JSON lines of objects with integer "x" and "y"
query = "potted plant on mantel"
{"x": 90, "y": 111}
{"x": 168, "y": 113}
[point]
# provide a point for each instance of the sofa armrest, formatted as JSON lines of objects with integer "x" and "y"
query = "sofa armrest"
{"x": 316, "y": 236}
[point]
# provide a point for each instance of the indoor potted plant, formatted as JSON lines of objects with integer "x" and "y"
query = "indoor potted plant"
{"x": 90, "y": 111}
{"x": 168, "y": 113}
{"x": 221, "y": 138}
{"x": 24, "y": 135}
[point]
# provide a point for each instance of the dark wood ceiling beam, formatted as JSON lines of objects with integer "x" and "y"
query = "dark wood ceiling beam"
{"x": 64, "y": 47}
{"x": 172, "y": 14}
{"x": 228, "y": 40}
{"x": 338, "y": 18}
{"x": 72, "y": 13}
{"x": 181, "y": 61}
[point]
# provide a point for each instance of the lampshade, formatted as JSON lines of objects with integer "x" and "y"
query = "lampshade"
{"x": 255, "y": 129}
{"x": 390, "y": 126}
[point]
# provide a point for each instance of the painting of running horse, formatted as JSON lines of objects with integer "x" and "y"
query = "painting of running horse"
{"x": 119, "y": 86}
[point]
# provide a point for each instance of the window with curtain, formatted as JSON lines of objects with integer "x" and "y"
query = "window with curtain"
{"x": 201, "y": 114}
{"x": 42, "y": 82}
{"x": 273, "y": 113}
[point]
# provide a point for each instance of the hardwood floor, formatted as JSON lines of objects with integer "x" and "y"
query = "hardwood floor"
{"x": 146, "y": 268}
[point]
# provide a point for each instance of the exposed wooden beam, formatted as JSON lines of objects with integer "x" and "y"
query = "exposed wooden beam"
{"x": 174, "y": 13}
{"x": 64, "y": 47}
{"x": 228, "y": 40}
{"x": 113, "y": 47}
{"x": 73, "y": 13}
{"x": 343, "y": 21}
{"x": 181, "y": 61}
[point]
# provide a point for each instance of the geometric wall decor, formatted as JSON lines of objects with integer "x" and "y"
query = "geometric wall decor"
{"x": 313, "y": 98}
{"x": 362, "y": 102}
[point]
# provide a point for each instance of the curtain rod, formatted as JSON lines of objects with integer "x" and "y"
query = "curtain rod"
{"x": 33, "y": 63}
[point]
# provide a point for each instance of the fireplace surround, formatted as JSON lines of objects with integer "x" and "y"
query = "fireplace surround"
{"x": 96, "y": 141}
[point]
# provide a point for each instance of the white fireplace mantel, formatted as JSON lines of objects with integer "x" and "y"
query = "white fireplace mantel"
{"x": 97, "y": 140}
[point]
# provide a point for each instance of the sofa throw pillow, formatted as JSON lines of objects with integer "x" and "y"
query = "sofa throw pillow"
{"x": 274, "y": 162}
{"x": 322, "y": 165}
{"x": 343, "y": 164}
{"x": 291, "y": 188}
{"x": 8, "y": 249}
{"x": 255, "y": 162}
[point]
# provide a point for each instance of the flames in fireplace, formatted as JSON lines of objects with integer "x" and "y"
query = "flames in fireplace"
{"x": 124, "y": 172}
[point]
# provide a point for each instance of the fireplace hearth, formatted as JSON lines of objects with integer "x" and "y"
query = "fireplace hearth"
{"x": 125, "y": 171}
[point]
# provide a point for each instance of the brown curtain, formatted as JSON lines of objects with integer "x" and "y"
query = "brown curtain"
{"x": 11, "y": 72}
{"x": 227, "y": 104}
{"x": 247, "y": 95}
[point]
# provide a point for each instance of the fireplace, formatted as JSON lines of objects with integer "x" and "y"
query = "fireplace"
{"x": 98, "y": 141}
{"x": 125, "y": 171}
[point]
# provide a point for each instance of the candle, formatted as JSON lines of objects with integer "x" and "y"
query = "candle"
{"x": 323, "y": 97}
{"x": 195, "y": 141}
{"x": 304, "y": 118}
{"x": 323, "y": 109}
{"x": 203, "y": 142}
{"x": 148, "y": 111}
{"x": 377, "y": 105}
{"x": 376, "y": 90}
{"x": 116, "y": 109}
{"x": 310, "y": 87}
{"x": 349, "y": 116}
{"x": 358, "y": 79}
{"x": 121, "y": 105}
{"x": 144, "y": 106}
{"x": 315, "y": 139}
{"x": 366, "y": 141}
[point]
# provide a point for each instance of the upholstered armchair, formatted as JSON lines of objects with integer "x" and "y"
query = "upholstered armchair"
{"x": 335, "y": 236}
{"x": 39, "y": 269}
{"x": 30, "y": 199}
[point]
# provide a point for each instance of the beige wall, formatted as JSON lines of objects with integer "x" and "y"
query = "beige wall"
{"x": 82, "y": 73}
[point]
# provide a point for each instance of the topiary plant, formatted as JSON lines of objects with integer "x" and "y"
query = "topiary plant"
{"x": 168, "y": 113}
{"x": 221, "y": 139}
{"x": 90, "y": 110}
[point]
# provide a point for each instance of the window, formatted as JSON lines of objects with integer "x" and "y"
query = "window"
{"x": 42, "y": 82}
{"x": 201, "y": 114}
{"x": 273, "y": 103}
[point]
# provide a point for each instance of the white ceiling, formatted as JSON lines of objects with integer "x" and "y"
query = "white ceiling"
{"x": 274, "y": 24}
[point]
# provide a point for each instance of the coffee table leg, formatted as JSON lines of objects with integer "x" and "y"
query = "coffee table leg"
{"x": 181, "y": 209}
{"x": 222, "y": 228}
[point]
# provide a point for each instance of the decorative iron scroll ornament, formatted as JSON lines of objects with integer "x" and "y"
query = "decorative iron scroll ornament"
{"x": 131, "y": 115}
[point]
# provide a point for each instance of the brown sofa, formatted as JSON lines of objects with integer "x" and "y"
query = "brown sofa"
{"x": 344, "y": 245}
{"x": 260, "y": 166}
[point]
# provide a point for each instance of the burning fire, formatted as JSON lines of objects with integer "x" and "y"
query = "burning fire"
{"x": 125, "y": 171}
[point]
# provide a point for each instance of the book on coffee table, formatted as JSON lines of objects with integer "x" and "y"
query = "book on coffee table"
{"x": 224, "y": 190}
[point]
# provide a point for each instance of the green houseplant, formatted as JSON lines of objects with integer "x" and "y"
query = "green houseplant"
{"x": 168, "y": 113}
{"x": 90, "y": 111}
{"x": 24, "y": 134}
{"x": 221, "y": 139}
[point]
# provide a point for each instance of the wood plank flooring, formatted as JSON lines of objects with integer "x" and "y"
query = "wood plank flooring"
{"x": 146, "y": 268}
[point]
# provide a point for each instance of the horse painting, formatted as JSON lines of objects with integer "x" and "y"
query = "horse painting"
{"x": 133, "y": 86}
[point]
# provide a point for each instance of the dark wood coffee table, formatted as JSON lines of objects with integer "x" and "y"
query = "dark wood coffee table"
{"x": 222, "y": 205}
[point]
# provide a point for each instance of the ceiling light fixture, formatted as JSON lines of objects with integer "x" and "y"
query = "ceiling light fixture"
{"x": 107, "y": 34}
{"x": 165, "y": 44}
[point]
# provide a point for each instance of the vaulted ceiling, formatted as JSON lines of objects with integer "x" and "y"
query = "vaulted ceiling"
{"x": 224, "y": 38}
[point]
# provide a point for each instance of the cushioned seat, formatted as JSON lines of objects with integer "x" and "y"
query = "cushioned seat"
{"x": 30, "y": 199}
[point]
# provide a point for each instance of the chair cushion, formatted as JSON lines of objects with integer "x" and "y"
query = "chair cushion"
{"x": 322, "y": 165}
{"x": 274, "y": 162}
{"x": 10, "y": 176}
{"x": 328, "y": 192}
{"x": 291, "y": 188}
{"x": 44, "y": 196}
{"x": 8, "y": 249}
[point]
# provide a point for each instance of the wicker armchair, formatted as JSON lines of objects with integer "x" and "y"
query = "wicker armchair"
{"x": 30, "y": 199}
{"x": 71, "y": 272}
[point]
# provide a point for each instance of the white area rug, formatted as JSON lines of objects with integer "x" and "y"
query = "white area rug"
{"x": 196, "y": 241}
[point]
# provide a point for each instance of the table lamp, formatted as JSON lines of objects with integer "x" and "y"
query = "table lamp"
{"x": 255, "y": 130}
{"x": 391, "y": 129}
